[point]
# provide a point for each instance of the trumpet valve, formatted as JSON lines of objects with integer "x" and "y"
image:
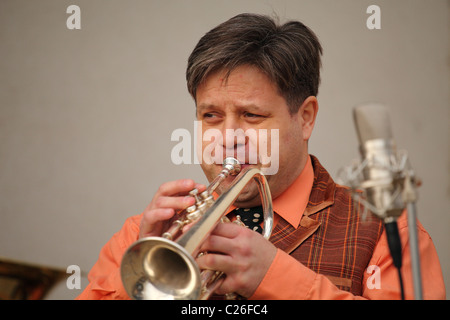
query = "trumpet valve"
{"x": 173, "y": 230}
{"x": 177, "y": 225}
{"x": 239, "y": 222}
{"x": 194, "y": 193}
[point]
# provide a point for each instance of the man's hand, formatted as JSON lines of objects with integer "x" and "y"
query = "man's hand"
{"x": 171, "y": 197}
{"x": 242, "y": 254}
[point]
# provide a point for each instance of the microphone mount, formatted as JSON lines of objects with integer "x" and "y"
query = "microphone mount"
{"x": 400, "y": 177}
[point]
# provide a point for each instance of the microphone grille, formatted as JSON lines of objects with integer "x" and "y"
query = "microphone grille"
{"x": 372, "y": 122}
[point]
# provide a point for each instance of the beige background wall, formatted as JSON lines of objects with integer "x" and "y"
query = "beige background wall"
{"x": 86, "y": 115}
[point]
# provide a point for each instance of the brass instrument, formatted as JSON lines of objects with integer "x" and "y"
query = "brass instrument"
{"x": 164, "y": 267}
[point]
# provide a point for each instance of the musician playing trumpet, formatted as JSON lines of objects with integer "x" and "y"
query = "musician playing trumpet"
{"x": 252, "y": 73}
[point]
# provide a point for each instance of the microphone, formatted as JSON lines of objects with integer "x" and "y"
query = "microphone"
{"x": 382, "y": 177}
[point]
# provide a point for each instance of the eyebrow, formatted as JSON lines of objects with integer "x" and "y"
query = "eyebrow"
{"x": 252, "y": 106}
{"x": 204, "y": 106}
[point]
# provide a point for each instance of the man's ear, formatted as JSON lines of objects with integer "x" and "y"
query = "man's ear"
{"x": 307, "y": 115}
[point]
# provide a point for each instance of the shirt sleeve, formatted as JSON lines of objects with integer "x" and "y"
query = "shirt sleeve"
{"x": 385, "y": 284}
{"x": 104, "y": 278}
{"x": 288, "y": 279}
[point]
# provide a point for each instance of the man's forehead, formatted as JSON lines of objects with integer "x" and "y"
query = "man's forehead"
{"x": 242, "y": 83}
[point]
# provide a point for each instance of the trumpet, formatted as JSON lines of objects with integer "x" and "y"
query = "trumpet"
{"x": 155, "y": 268}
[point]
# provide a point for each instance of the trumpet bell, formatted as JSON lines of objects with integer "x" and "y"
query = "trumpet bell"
{"x": 159, "y": 268}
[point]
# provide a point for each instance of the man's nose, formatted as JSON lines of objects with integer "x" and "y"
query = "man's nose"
{"x": 234, "y": 144}
{"x": 231, "y": 133}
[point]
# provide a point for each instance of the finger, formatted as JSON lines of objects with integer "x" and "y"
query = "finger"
{"x": 224, "y": 237}
{"x": 180, "y": 187}
{"x": 153, "y": 221}
{"x": 218, "y": 244}
{"x": 200, "y": 187}
{"x": 229, "y": 285}
{"x": 228, "y": 230}
{"x": 157, "y": 215}
{"x": 171, "y": 188}
{"x": 217, "y": 262}
{"x": 176, "y": 203}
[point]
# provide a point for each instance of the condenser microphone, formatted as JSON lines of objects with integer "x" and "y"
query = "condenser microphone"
{"x": 382, "y": 182}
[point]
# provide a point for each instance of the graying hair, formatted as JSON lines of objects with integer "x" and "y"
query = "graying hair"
{"x": 289, "y": 55}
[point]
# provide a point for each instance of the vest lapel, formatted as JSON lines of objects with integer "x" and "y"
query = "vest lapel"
{"x": 288, "y": 238}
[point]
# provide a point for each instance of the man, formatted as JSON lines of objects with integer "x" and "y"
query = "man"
{"x": 250, "y": 73}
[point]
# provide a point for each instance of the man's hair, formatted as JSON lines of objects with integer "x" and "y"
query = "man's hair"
{"x": 288, "y": 54}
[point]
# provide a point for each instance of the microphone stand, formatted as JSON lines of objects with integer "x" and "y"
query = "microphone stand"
{"x": 410, "y": 197}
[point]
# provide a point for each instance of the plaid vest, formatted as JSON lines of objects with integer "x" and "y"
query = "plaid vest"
{"x": 331, "y": 239}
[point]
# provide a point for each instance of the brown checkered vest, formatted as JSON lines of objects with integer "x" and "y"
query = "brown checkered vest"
{"x": 331, "y": 239}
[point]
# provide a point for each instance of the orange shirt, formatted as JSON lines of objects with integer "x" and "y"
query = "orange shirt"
{"x": 287, "y": 278}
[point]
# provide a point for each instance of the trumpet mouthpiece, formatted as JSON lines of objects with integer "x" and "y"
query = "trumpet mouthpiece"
{"x": 232, "y": 165}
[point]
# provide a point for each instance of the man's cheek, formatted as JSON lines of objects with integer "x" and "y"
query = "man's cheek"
{"x": 270, "y": 152}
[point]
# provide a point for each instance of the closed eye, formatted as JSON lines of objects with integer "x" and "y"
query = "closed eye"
{"x": 210, "y": 117}
{"x": 254, "y": 117}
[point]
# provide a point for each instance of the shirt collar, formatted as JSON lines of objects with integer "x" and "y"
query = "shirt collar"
{"x": 291, "y": 204}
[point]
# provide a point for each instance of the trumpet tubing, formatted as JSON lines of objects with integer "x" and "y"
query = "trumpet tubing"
{"x": 164, "y": 267}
